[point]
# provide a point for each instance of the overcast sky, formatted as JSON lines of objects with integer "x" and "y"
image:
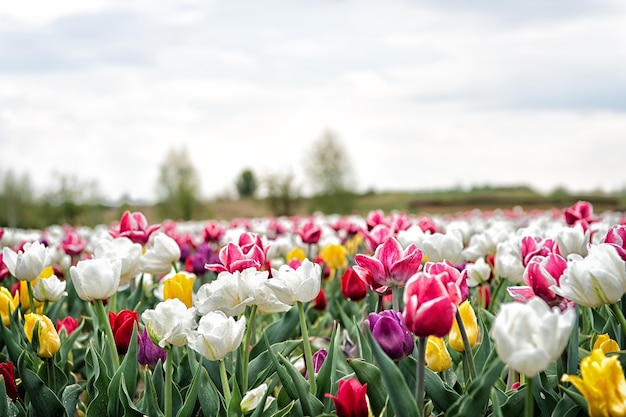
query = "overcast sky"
{"x": 424, "y": 94}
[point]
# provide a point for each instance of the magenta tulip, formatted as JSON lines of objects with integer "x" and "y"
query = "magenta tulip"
{"x": 428, "y": 311}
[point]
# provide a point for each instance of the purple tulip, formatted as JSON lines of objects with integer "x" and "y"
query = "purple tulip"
{"x": 318, "y": 360}
{"x": 149, "y": 353}
{"x": 391, "y": 334}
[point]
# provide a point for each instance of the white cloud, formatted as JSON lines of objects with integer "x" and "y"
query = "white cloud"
{"x": 424, "y": 97}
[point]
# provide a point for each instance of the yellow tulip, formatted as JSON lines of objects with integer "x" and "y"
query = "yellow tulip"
{"x": 602, "y": 383}
{"x": 353, "y": 245}
{"x": 605, "y": 343}
{"x": 296, "y": 253}
{"x": 437, "y": 356}
{"x": 179, "y": 286}
{"x": 469, "y": 323}
{"x": 334, "y": 256}
{"x": 8, "y": 304}
{"x": 23, "y": 298}
{"x": 49, "y": 342}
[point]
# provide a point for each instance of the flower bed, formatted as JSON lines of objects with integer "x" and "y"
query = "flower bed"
{"x": 479, "y": 314}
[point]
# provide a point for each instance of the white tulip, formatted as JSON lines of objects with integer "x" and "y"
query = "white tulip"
{"x": 29, "y": 262}
{"x": 158, "y": 259}
{"x": 599, "y": 278}
{"x": 439, "y": 247}
{"x": 169, "y": 322}
{"x": 478, "y": 272}
{"x": 293, "y": 285}
{"x": 96, "y": 279}
{"x": 251, "y": 400}
{"x": 528, "y": 337}
{"x": 49, "y": 289}
{"x": 217, "y": 335}
{"x": 125, "y": 250}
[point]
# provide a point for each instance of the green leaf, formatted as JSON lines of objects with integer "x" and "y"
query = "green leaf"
{"x": 578, "y": 399}
{"x": 69, "y": 398}
{"x": 149, "y": 403}
{"x": 234, "y": 407}
{"x": 68, "y": 343}
{"x": 369, "y": 374}
{"x": 285, "y": 410}
{"x": 42, "y": 400}
{"x": 401, "y": 398}
{"x": 262, "y": 366}
{"x": 97, "y": 385}
{"x": 208, "y": 395}
{"x": 128, "y": 370}
{"x": 278, "y": 331}
{"x": 545, "y": 397}
{"x": 189, "y": 404}
{"x": 474, "y": 402}
{"x": 4, "y": 398}
{"x": 566, "y": 407}
{"x": 311, "y": 405}
{"x": 130, "y": 409}
{"x": 326, "y": 376}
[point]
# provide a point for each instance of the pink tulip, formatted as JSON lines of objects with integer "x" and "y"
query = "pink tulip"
{"x": 232, "y": 259}
{"x": 377, "y": 236}
{"x": 428, "y": 309}
{"x": 390, "y": 265}
{"x": 310, "y": 233}
{"x": 213, "y": 232}
{"x": 454, "y": 281}
{"x": 616, "y": 237}
{"x": 581, "y": 212}
{"x": 536, "y": 246}
{"x": 135, "y": 227}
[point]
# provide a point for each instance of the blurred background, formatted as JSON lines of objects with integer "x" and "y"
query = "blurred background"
{"x": 214, "y": 109}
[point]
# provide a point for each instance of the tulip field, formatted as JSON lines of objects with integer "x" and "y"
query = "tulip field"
{"x": 500, "y": 313}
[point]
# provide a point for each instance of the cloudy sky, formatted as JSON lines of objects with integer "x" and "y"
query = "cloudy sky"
{"x": 424, "y": 94}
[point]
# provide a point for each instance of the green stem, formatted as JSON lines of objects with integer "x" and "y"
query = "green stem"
{"x": 308, "y": 356}
{"x": 31, "y": 299}
{"x": 169, "y": 374}
{"x": 530, "y": 401}
{"x": 395, "y": 298}
{"x": 245, "y": 352}
{"x": 225, "y": 386}
{"x": 103, "y": 321}
{"x": 421, "y": 373}
{"x": 494, "y": 296}
{"x": 617, "y": 313}
{"x": 175, "y": 267}
{"x": 51, "y": 379}
{"x": 467, "y": 349}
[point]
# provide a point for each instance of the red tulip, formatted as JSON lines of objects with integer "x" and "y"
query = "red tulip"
{"x": 319, "y": 302}
{"x": 352, "y": 287}
{"x": 310, "y": 233}
{"x": 351, "y": 399}
{"x": 428, "y": 311}
{"x": 7, "y": 371}
{"x": 122, "y": 325}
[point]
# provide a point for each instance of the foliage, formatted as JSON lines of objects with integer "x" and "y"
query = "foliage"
{"x": 247, "y": 184}
{"x": 178, "y": 185}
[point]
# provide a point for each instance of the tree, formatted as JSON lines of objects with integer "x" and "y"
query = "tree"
{"x": 282, "y": 193}
{"x": 246, "y": 184}
{"x": 178, "y": 185}
{"x": 16, "y": 200}
{"x": 330, "y": 172}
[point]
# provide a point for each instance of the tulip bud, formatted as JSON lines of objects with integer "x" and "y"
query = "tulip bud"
{"x": 251, "y": 400}
{"x": 437, "y": 357}
{"x": 68, "y": 323}
{"x": 352, "y": 287}
{"x": 351, "y": 399}
{"x": 122, "y": 325}
{"x": 319, "y": 302}
{"x": 428, "y": 309}
{"x": 179, "y": 286}
{"x": 8, "y": 303}
{"x": 469, "y": 323}
{"x": 48, "y": 338}
{"x": 148, "y": 353}
{"x": 391, "y": 334}
{"x": 7, "y": 372}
